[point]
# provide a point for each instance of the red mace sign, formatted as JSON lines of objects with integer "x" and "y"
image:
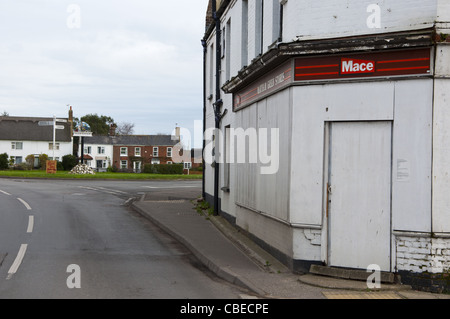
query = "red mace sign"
{"x": 355, "y": 66}
{"x": 371, "y": 64}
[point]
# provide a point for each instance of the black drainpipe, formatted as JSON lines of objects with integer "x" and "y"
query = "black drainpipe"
{"x": 204, "y": 115}
{"x": 217, "y": 107}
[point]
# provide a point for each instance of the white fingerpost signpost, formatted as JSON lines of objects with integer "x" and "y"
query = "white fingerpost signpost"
{"x": 55, "y": 127}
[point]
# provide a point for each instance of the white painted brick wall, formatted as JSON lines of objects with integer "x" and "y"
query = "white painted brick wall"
{"x": 307, "y": 244}
{"x": 330, "y": 18}
{"x": 421, "y": 254}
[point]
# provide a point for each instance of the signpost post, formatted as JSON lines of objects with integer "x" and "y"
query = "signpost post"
{"x": 52, "y": 165}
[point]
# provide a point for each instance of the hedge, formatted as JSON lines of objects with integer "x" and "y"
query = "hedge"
{"x": 69, "y": 162}
{"x": 172, "y": 169}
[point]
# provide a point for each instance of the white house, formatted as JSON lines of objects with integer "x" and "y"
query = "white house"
{"x": 98, "y": 152}
{"x": 23, "y": 136}
{"x": 342, "y": 113}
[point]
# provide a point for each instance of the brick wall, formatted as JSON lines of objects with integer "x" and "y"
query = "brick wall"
{"x": 146, "y": 155}
{"x": 422, "y": 254}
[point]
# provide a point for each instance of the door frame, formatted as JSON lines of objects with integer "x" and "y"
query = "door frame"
{"x": 325, "y": 241}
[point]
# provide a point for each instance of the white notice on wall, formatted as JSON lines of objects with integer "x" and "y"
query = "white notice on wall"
{"x": 403, "y": 170}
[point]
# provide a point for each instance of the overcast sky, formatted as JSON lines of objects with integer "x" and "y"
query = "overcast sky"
{"x": 138, "y": 61}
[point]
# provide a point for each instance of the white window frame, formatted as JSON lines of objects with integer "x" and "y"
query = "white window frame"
{"x": 88, "y": 149}
{"x": 187, "y": 165}
{"x": 100, "y": 149}
{"x": 155, "y": 151}
{"x": 123, "y": 163}
{"x": 14, "y": 145}
{"x": 15, "y": 159}
{"x": 169, "y": 152}
{"x": 137, "y": 151}
{"x": 124, "y": 153}
{"x": 57, "y": 146}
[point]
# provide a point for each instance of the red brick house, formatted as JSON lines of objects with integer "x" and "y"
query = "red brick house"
{"x": 130, "y": 152}
{"x": 133, "y": 151}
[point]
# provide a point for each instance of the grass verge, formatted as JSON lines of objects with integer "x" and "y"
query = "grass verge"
{"x": 120, "y": 176}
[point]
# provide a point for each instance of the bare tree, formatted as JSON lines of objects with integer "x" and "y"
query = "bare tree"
{"x": 125, "y": 128}
{"x": 4, "y": 113}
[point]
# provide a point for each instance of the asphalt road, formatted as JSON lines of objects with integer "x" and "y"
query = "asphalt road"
{"x": 79, "y": 239}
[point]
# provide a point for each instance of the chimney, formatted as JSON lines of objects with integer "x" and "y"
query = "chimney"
{"x": 112, "y": 130}
{"x": 177, "y": 132}
{"x": 70, "y": 120}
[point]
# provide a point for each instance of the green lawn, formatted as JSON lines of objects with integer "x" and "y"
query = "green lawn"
{"x": 123, "y": 176}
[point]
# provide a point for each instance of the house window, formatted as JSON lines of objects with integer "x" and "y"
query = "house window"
{"x": 17, "y": 145}
{"x": 277, "y": 18}
{"x": 224, "y": 44}
{"x": 101, "y": 150}
{"x": 155, "y": 161}
{"x": 155, "y": 152}
{"x": 227, "y": 151}
{"x": 123, "y": 164}
{"x": 187, "y": 165}
{"x": 124, "y": 151}
{"x": 227, "y": 39}
{"x": 17, "y": 159}
{"x": 169, "y": 163}
{"x": 259, "y": 29}
{"x": 169, "y": 152}
{"x": 137, "y": 151}
{"x": 88, "y": 149}
{"x": 211, "y": 71}
{"x": 244, "y": 43}
{"x": 50, "y": 147}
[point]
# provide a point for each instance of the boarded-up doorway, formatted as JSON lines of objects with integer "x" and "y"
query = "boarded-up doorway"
{"x": 359, "y": 193}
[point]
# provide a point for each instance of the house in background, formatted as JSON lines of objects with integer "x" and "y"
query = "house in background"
{"x": 98, "y": 152}
{"x": 128, "y": 152}
{"x": 23, "y": 136}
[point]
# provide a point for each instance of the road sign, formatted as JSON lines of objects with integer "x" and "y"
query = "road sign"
{"x": 45, "y": 123}
{"x": 60, "y": 120}
{"x": 82, "y": 134}
{"x": 59, "y": 127}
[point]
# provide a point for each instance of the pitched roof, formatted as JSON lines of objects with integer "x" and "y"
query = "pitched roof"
{"x": 14, "y": 128}
{"x": 132, "y": 140}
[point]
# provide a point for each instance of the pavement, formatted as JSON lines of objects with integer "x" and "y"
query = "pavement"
{"x": 234, "y": 257}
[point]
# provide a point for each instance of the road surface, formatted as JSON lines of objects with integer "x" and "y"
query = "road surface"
{"x": 79, "y": 239}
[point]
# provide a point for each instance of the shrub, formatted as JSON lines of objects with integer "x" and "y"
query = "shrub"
{"x": 22, "y": 167}
{"x": 69, "y": 162}
{"x": 112, "y": 169}
{"x": 4, "y": 161}
{"x": 43, "y": 158}
{"x": 30, "y": 160}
